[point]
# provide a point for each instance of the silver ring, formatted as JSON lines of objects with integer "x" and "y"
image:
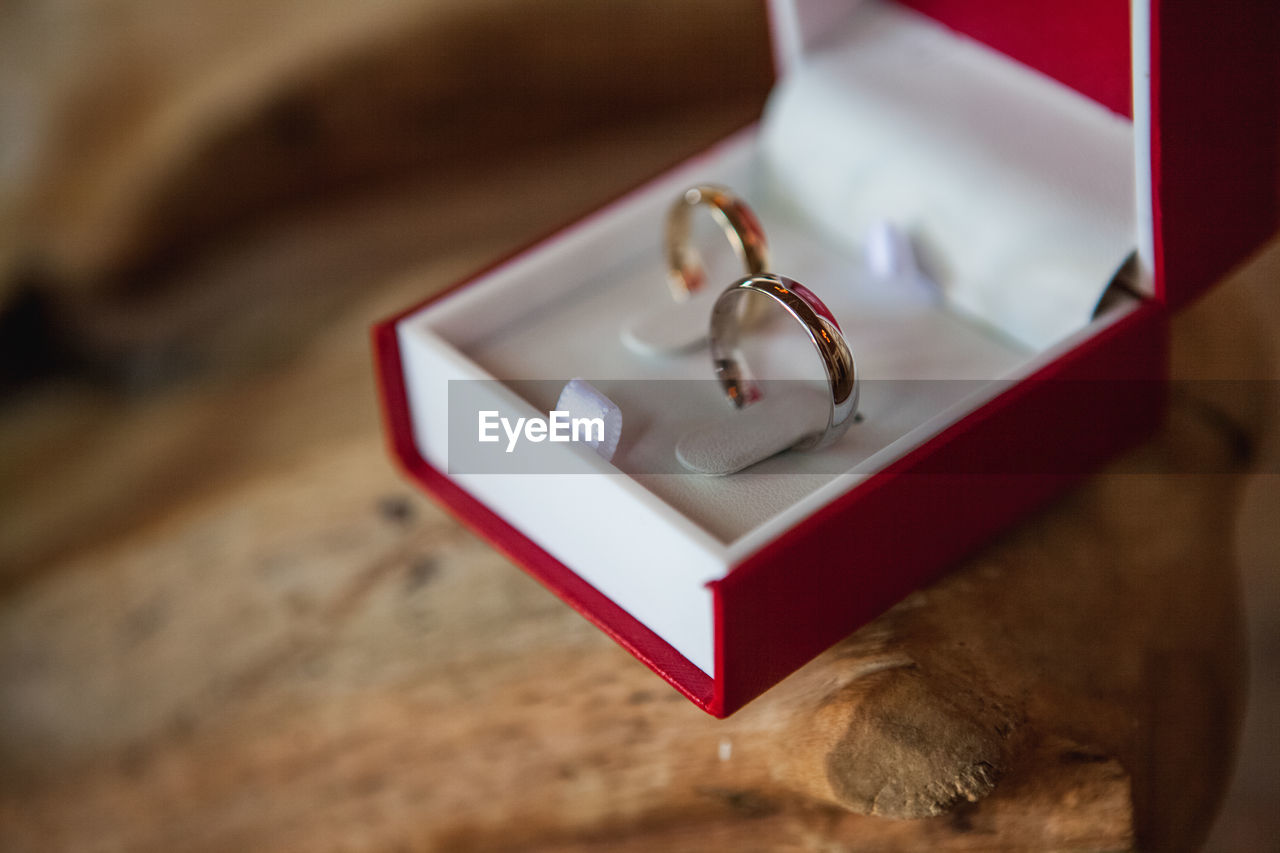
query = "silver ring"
{"x": 735, "y": 375}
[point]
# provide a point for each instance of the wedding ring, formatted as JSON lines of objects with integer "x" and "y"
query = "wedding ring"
{"x": 685, "y": 271}
{"x": 735, "y": 375}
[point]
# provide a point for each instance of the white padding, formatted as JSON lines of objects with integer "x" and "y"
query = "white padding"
{"x": 742, "y": 438}
{"x": 891, "y": 256}
{"x": 671, "y": 327}
{"x": 1020, "y": 188}
{"x": 581, "y": 400}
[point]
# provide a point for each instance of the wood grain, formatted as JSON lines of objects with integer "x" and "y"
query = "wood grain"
{"x": 148, "y": 129}
{"x": 305, "y": 655}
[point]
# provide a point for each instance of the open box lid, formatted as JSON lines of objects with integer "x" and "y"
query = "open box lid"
{"x": 1200, "y": 81}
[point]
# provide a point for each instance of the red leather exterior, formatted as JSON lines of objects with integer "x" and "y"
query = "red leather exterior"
{"x": 1215, "y": 145}
{"x": 904, "y": 526}
{"x": 1084, "y": 44}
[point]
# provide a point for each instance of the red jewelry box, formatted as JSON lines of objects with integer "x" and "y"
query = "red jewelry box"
{"x": 1101, "y": 129}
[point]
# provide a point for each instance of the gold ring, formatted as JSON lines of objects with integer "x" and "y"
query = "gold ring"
{"x": 685, "y": 272}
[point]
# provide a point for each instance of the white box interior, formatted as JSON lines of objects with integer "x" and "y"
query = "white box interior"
{"x": 1030, "y": 211}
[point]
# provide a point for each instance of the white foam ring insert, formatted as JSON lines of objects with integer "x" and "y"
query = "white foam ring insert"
{"x": 895, "y": 142}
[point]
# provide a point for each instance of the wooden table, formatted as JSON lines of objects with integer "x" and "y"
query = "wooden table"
{"x": 270, "y": 642}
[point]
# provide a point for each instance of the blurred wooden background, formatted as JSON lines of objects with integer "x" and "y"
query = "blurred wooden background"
{"x": 226, "y": 623}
